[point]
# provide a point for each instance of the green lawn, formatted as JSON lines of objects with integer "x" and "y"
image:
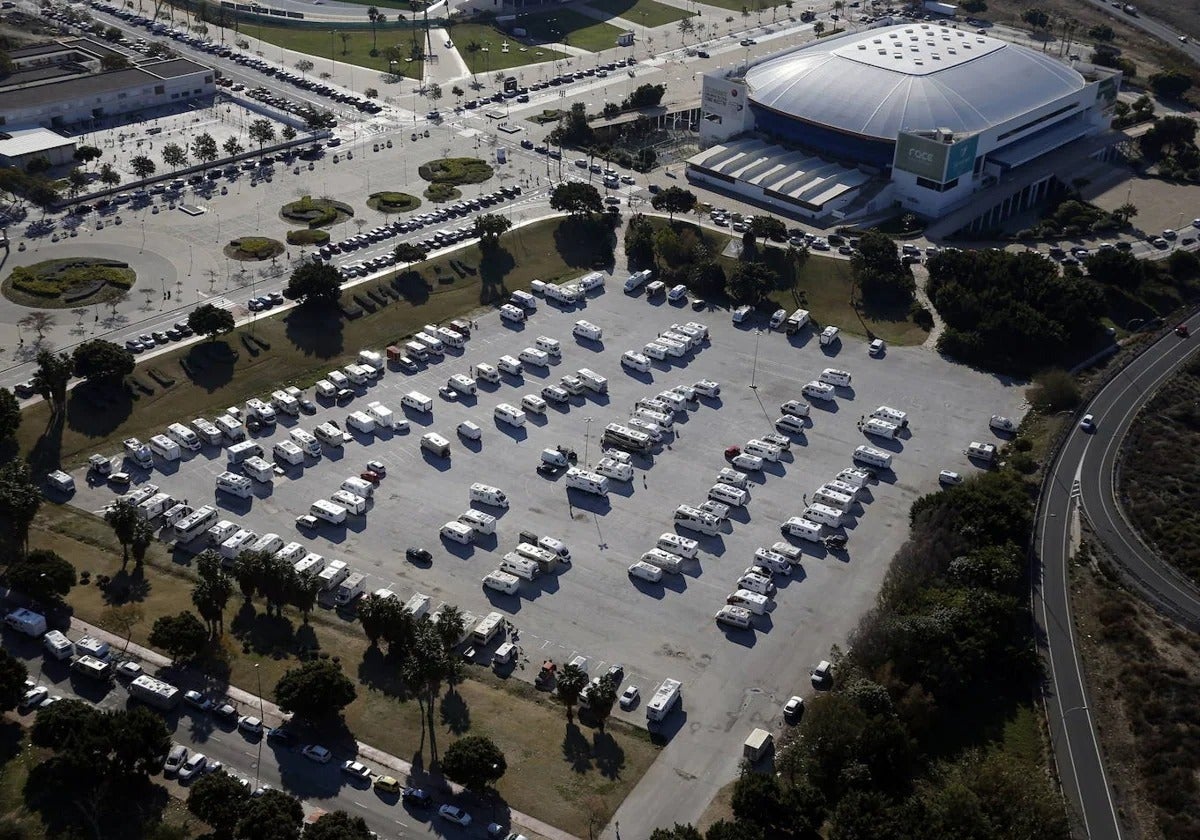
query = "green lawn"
{"x": 318, "y": 43}
{"x": 642, "y": 12}
{"x": 752, "y": 5}
{"x": 488, "y": 37}
{"x": 303, "y": 345}
{"x": 569, "y": 27}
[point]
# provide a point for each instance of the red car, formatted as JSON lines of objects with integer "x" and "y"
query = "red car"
{"x": 1182, "y": 331}
{"x": 732, "y": 452}
{"x": 371, "y": 476}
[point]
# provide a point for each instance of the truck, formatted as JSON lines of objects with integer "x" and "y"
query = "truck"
{"x": 487, "y": 628}
{"x": 757, "y": 744}
{"x": 156, "y": 693}
{"x": 138, "y": 452}
{"x": 665, "y": 698}
{"x": 27, "y": 622}
{"x": 352, "y": 587}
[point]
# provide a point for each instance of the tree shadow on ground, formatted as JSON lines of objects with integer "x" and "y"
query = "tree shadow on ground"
{"x": 127, "y": 585}
{"x": 100, "y": 806}
{"x": 610, "y": 758}
{"x": 381, "y": 672}
{"x": 211, "y": 364}
{"x": 576, "y": 750}
{"x": 584, "y": 243}
{"x": 46, "y": 454}
{"x": 456, "y": 714}
{"x": 271, "y": 635}
{"x": 315, "y": 331}
{"x": 11, "y": 735}
{"x": 412, "y": 286}
{"x": 96, "y": 409}
{"x": 494, "y": 265}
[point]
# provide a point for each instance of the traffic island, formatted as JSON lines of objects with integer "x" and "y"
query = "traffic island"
{"x": 68, "y": 283}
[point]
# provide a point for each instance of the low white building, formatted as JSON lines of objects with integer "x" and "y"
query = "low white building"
{"x": 20, "y": 146}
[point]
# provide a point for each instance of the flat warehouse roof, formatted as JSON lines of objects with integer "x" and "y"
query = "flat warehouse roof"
{"x": 98, "y": 83}
{"x": 31, "y": 140}
{"x": 173, "y": 68}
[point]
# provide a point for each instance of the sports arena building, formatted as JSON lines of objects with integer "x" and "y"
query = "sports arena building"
{"x": 920, "y": 116}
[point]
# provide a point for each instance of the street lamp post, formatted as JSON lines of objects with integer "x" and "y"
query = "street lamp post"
{"x": 754, "y": 369}
{"x": 587, "y": 438}
{"x": 258, "y": 763}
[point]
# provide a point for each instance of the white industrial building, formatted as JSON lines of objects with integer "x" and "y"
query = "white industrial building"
{"x": 920, "y": 116}
{"x": 63, "y": 84}
{"x": 20, "y": 146}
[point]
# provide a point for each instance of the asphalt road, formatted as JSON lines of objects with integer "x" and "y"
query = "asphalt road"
{"x": 1083, "y": 474}
{"x": 1157, "y": 28}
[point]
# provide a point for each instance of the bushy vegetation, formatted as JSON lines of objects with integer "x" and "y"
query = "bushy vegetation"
{"x": 1011, "y": 313}
{"x": 1073, "y": 217}
{"x": 1170, "y": 145}
{"x": 393, "y": 202}
{"x": 456, "y": 171}
{"x": 1160, "y": 471}
{"x": 307, "y": 236}
{"x": 315, "y": 212}
{"x": 76, "y": 279}
{"x": 900, "y": 746}
{"x": 253, "y": 248}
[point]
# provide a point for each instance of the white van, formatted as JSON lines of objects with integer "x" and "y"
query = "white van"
{"x": 522, "y": 567}
{"x": 234, "y": 485}
{"x": 823, "y": 514}
{"x": 469, "y": 431}
{"x": 288, "y": 452}
{"x": 480, "y": 522}
{"x": 818, "y": 391}
{"x": 509, "y": 414}
{"x": 587, "y": 330}
{"x": 646, "y": 572}
{"x": 835, "y": 377}
{"x": 664, "y": 560}
{"x": 790, "y": 424}
{"x": 458, "y": 532}
{"x": 801, "y": 528}
{"x": 873, "y": 457}
{"x": 675, "y": 544}
{"x": 764, "y": 450}
{"x": 753, "y": 601}
{"x": 697, "y": 520}
{"x": 510, "y": 365}
{"x": 741, "y": 314}
{"x": 535, "y": 357}
{"x": 184, "y": 436}
{"x": 417, "y": 401}
{"x": 727, "y": 495}
{"x": 488, "y": 495}
{"x": 549, "y": 346}
{"x": 327, "y": 511}
{"x": 534, "y": 403}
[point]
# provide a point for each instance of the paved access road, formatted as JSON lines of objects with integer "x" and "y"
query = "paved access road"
{"x": 1083, "y": 472}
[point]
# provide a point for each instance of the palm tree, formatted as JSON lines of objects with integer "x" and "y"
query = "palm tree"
{"x": 373, "y": 16}
{"x": 143, "y": 536}
{"x": 571, "y": 681}
{"x": 601, "y": 699}
{"x": 122, "y": 516}
{"x": 304, "y": 590}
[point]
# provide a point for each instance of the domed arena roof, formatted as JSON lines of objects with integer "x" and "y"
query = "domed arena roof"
{"x": 912, "y": 77}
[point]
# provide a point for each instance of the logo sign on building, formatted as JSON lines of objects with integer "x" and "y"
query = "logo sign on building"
{"x": 929, "y": 158}
{"x": 716, "y": 96}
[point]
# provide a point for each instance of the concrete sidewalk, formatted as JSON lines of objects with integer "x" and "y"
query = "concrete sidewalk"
{"x": 273, "y": 715}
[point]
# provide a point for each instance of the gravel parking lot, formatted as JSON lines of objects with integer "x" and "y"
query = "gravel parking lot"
{"x": 592, "y": 607}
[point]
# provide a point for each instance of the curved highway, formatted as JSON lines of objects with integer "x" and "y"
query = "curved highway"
{"x": 1083, "y": 474}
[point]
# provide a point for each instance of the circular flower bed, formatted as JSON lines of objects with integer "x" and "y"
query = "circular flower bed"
{"x": 315, "y": 212}
{"x": 393, "y": 202}
{"x": 253, "y": 248}
{"x": 68, "y": 283}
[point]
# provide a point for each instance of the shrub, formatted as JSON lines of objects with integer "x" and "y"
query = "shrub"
{"x": 307, "y": 236}
{"x": 393, "y": 202}
{"x": 1054, "y": 390}
{"x": 456, "y": 171}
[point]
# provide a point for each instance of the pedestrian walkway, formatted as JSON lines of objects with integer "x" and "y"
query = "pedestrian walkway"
{"x": 273, "y": 715}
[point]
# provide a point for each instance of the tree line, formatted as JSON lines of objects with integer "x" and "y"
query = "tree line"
{"x": 900, "y": 746}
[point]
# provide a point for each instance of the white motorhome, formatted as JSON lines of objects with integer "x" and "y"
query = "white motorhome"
{"x": 260, "y": 410}
{"x": 890, "y": 415}
{"x": 327, "y": 511}
{"x": 165, "y": 448}
{"x": 664, "y": 560}
{"x": 325, "y": 388}
{"x": 235, "y": 485}
{"x": 614, "y": 469}
{"x": 823, "y": 514}
{"x": 829, "y": 335}
{"x": 268, "y": 543}
{"x": 450, "y": 337}
{"x": 383, "y": 416}
{"x": 258, "y": 469}
{"x": 510, "y": 365}
{"x": 546, "y": 560}
{"x": 329, "y": 434}
{"x": 514, "y": 314}
{"x": 458, "y": 532}
{"x": 756, "y": 584}
{"x": 665, "y": 698}
{"x": 195, "y": 523}
{"x": 288, "y": 452}
{"x": 728, "y": 495}
{"x": 796, "y": 321}
{"x": 834, "y": 499}
{"x": 416, "y": 350}
{"x": 286, "y": 403}
{"x": 872, "y": 457}
{"x": 681, "y": 546}
{"x": 880, "y": 428}
{"x": 291, "y": 553}
{"x": 478, "y": 521}
{"x": 818, "y": 391}
{"x": 835, "y": 377}
{"x": 350, "y": 589}
{"x": 502, "y": 582}
{"x": 435, "y": 444}
{"x": 488, "y": 495}
{"x": 207, "y": 432}
{"x": 418, "y": 606}
{"x": 593, "y": 381}
{"x": 587, "y": 330}
{"x": 371, "y": 358}
{"x": 774, "y": 563}
{"x": 306, "y": 441}
{"x": 220, "y": 532}
{"x": 624, "y": 437}
{"x": 487, "y": 628}
{"x": 586, "y": 481}
{"x": 732, "y": 616}
{"x": 360, "y": 421}
{"x": 755, "y": 602}
{"x": 486, "y": 372}
{"x": 532, "y": 356}
{"x": 549, "y": 346}
{"x": 697, "y": 520}
{"x": 359, "y": 487}
{"x": 534, "y": 403}
{"x": 184, "y": 436}
{"x": 352, "y": 502}
{"x": 432, "y": 344}
{"x": 310, "y": 563}
{"x": 856, "y": 477}
{"x": 983, "y": 451}
{"x": 240, "y": 541}
{"x": 522, "y": 567}
{"x": 333, "y": 574}
{"x": 801, "y": 528}
{"x": 463, "y": 384}
{"x": 241, "y": 451}
{"x": 417, "y": 401}
{"x": 510, "y": 414}
{"x": 646, "y": 572}
{"x": 762, "y": 449}
{"x": 838, "y": 486}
